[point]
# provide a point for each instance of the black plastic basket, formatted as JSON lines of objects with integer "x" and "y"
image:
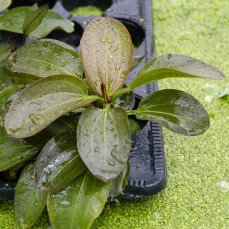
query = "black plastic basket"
{"x": 148, "y": 174}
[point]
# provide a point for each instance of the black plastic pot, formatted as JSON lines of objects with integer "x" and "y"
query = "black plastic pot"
{"x": 148, "y": 174}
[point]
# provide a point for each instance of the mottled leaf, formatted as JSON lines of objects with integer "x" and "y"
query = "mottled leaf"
{"x": 45, "y": 58}
{"x": 173, "y": 65}
{"x": 58, "y": 163}
{"x": 13, "y": 20}
{"x": 175, "y": 110}
{"x": 14, "y": 151}
{"x": 78, "y": 205}
{"x": 43, "y": 102}
{"x": 108, "y": 44}
{"x": 5, "y": 95}
{"x": 33, "y": 18}
{"x": 4, "y": 4}
{"x": 29, "y": 200}
{"x": 103, "y": 137}
{"x": 118, "y": 185}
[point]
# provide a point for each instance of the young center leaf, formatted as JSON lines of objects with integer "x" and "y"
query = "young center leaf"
{"x": 106, "y": 55}
{"x": 58, "y": 163}
{"x": 175, "y": 110}
{"x": 44, "y": 58}
{"x": 12, "y": 21}
{"x": 34, "y": 17}
{"x": 103, "y": 140}
{"x": 78, "y": 205}
{"x": 43, "y": 102}
{"x": 13, "y": 151}
{"x": 174, "y": 66}
{"x": 29, "y": 200}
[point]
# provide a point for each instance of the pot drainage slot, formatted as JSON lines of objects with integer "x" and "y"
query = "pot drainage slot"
{"x": 72, "y": 39}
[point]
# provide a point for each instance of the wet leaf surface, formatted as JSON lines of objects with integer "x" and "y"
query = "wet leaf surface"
{"x": 33, "y": 18}
{"x": 78, "y": 205}
{"x": 13, "y": 151}
{"x": 46, "y": 57}
{"x": 58, "y": 163}
{"x": 175, "y": 66}
{"x": 5, "y": 95}
{"x": 108, "y": 44}
{"x": 175, "y": 110}
{"x": 104, "y": 137}
{"x": 59, "y": 126}
{"x": 29, "y": 200}
{"x": 43, "y": 102}
{"x": 13, "y": 20}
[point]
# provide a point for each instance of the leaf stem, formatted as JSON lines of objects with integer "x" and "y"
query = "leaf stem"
{"x": 106, "y": 106}
{"x": 133, "y": 112}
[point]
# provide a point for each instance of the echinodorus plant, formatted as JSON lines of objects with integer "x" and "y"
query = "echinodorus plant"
{"x": 71, "y": 134}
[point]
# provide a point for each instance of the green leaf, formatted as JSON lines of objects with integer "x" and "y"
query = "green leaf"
{"x": 175, "y": 110}
{"x": 58, "y": 163}
{"x": 173, "y": 65}
{"x": 78, "y": 205}
{"x": 5, "y": 95}
{"x": 34, "y": 17}
{"x": 125, "y": 101}
{"x": 119, "y": 93}
{"x": 134, "y": 126}
{"x": 43, "y": 102}
{"x": 108, "y": 44}
{"x": 45, "y": 58}
{"x": 14, "y": 151}
{"x": 5, "y": 74}
{"x": 59, "y": 126}
{"x": 103, "y": 137}
{"x": 13, "y": 20}
{"x": 29, "y": 200}
{"x": 4, "y": 51}
{"x": 4, "y": 4}
{"x": 118, "y": 185}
